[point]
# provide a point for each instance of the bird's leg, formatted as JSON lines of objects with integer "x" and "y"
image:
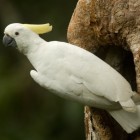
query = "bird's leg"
{"x": 34, "y": 74}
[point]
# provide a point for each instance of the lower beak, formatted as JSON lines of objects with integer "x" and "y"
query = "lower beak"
{"x": 9, "y": 41}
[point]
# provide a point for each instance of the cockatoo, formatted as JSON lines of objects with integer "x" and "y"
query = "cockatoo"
{"x": 76, "y": 74}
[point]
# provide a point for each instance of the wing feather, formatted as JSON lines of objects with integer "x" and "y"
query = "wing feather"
{"x": 96, "y": 75}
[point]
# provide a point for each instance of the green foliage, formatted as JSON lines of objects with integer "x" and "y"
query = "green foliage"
{"x": 27, "y": 111}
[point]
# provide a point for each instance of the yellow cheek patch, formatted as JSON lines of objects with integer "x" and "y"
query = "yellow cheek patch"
{"x": 39, "y": 28}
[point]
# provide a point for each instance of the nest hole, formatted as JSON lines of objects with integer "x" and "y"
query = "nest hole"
{"x": 121, "y": 60}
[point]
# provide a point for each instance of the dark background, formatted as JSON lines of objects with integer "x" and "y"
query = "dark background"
{"x": 27, "y": 111}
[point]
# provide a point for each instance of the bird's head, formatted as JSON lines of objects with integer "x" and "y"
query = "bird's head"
{"x": 19, "y": 35}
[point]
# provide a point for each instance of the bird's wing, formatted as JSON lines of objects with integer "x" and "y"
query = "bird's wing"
{"x": 95, "y": 74}
{"x": 83, "y": 94}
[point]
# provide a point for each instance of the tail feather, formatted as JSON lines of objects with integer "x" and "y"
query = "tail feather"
{"x": 128, "y": 120}
{"x": 136, "y": 98}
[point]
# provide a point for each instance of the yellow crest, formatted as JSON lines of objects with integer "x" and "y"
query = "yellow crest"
{"x": 39, "y": 28}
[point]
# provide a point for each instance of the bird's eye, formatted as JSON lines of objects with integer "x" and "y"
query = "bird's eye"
{"x": 16, "y": 33}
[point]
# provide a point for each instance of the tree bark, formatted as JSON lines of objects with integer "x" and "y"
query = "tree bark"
{"x": 110, "y": 29}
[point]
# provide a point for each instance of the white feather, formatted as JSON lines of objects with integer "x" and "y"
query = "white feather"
{"x": 74, "y": 73}
{"x": 128, "y": 120}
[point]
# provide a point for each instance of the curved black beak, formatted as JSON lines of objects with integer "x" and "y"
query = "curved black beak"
{"x": 9, "y": 41}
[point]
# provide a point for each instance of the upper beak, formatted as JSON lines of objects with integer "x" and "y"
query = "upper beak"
{"x": 9, "y": 41}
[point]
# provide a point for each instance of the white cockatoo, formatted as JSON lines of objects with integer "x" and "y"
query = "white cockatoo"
{"x": 74, "y": 73}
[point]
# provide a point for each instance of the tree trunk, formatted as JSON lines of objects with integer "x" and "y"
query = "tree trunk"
{"x": 110, "y": 29}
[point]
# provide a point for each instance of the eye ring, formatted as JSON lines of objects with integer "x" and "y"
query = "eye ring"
{"x": 16, "y": 33}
